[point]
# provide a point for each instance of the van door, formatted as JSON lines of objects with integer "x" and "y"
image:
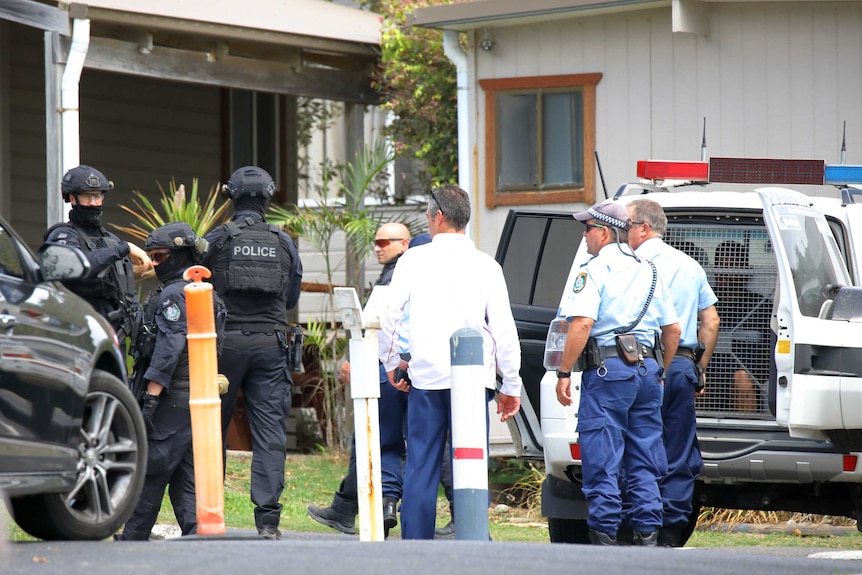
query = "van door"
{"x": 536, "y": 250}
{"x": 813, "y": 387}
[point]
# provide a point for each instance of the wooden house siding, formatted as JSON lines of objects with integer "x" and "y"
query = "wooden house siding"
{"x": 127, "y": 122}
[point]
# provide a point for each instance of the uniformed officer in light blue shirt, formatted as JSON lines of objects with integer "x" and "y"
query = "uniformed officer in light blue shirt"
{"x": 619, "y": 420}
{"x": 694, "y": 302}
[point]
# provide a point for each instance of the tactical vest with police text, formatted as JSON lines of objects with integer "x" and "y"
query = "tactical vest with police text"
{"x": 253, "y": 251}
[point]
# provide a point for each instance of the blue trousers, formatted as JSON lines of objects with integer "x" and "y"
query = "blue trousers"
{"x": 620, "y": 433}
{"x": 684, "y": 462}
{"x": 428, "y": 428}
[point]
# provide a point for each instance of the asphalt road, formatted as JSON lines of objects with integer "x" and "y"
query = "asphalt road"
{"x": 298, "y": 553}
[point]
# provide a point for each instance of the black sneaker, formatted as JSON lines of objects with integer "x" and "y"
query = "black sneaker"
{"x": 269, "y": 532}
{"x": 601, "y": 538}
{"x": 445, "y": 532}
{"x": 645, "y": 539}
{"x": 331, "y": 518}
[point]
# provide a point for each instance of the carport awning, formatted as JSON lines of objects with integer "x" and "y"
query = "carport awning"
{"x": 309, "y": 48}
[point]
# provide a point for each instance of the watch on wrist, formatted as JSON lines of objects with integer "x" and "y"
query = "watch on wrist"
{"x": 563, "y": 374}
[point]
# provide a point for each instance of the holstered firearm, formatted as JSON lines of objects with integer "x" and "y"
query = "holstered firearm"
{"x": 292, "y": 343}
{"x": 590, "y": 358}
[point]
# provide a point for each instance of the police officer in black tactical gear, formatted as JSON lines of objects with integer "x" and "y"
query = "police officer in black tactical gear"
{"x": 110, "y": 285}
{"x": 162, "y": 364}
{"x": 256, "y": 270}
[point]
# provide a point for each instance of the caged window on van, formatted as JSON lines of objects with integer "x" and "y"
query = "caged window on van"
{"x": 540, "y": 139}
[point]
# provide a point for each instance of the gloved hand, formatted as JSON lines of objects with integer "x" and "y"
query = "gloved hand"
{"x": 148, "y": 410}
{"x": 223, "y": 383}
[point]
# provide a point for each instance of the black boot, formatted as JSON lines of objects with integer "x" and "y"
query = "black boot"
{"x": 390, "y": 513}
{"x": 645, "y": 539}
{"x": 332, "y": 518}
{"x": 670, "y": 536}
{"x": 599, "y": 538}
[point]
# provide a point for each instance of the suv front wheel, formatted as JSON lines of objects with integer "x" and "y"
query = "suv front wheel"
{"x": 112, "y": 455}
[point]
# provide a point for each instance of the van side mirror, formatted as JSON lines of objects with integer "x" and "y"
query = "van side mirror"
{"x": 847, "y": 305}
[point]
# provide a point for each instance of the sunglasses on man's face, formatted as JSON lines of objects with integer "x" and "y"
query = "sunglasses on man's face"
{"x": 384, "y": 242}
{"x": 159, "y": 257}
{"x": 592, "y": 226}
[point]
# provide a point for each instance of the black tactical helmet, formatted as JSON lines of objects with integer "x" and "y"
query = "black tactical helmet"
{"x": 175, "y": 236}
{"x": 250, "y": 182}
{"x": 84, "y": 179}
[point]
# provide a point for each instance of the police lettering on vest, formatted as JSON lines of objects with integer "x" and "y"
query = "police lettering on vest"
{"x": 244, "y": 250}
{"x": 254, "y": 259}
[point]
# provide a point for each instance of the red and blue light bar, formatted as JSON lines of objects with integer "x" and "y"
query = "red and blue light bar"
{"x": 752, "y": 171}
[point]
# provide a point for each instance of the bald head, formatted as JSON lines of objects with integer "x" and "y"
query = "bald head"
{"x": 391, "y": 240}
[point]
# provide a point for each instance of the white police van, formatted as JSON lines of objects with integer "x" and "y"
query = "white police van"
{"x": 793, "y": 442}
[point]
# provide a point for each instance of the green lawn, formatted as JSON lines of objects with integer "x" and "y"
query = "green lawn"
{"x": 314, "y": 478}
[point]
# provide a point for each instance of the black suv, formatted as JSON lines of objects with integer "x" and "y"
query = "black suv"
{"x": 73, "y": 446}
{"x": 796, "y": 446}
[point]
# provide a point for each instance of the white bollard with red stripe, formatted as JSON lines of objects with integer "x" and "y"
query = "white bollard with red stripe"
{"x": 469, "y": 436}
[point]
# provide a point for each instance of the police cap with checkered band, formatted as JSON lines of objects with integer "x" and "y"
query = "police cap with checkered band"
{"x": 608, "y": 212}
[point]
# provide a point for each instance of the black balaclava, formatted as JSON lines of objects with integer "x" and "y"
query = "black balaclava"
{"x": 87, "y": 216}
{"x": 175, "y": 265}
{"x": 246, "y": 204}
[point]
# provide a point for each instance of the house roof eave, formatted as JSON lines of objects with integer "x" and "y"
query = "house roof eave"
{"x": 472, "y": 15}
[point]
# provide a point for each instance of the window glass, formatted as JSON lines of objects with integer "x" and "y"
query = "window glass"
{"x": 521, "y": 257}
{"x": 564, "y": 237}
{"x": 562, "y": 139}
{"x": 538, "y": 259}
{"x": 254, "y": 131}
{"x": 518, "y": 138}
{"x": 815, "y": 260}
{"x": 10, "y": 261}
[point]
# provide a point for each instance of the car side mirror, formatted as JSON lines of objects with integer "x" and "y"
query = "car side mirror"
{"x": 59, "y": 262}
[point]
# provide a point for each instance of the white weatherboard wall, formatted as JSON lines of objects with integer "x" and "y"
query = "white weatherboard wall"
{"x": 772, "y": 79}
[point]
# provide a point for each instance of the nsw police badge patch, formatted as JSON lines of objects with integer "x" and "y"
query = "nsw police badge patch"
{"x": 172, "y": 312}
{"x": 580, "y": 282}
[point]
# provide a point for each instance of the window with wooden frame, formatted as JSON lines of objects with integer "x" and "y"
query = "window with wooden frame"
{"x": 540, "y": 136}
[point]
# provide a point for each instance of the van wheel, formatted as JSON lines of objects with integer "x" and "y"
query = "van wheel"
{"x": 562, "y": 530}
{"x": 112, "y": 462}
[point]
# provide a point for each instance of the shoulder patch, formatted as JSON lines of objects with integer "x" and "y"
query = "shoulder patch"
{"x": 580, "y": 282}
{"x": 172, "y": 312}
{"x": 62, "y": 235}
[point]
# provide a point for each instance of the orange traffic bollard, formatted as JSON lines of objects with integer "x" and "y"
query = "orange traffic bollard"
{"x": 204, "y": 402}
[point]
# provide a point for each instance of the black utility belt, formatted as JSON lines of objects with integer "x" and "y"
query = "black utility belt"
{"x": 595, "y": 356}
{"x": 684, "y": 352}
{"x": 268, "y": 328}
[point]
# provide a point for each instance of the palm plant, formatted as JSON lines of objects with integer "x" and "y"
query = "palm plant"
{"x": 318, "y": 225}
{"x": 202, "y": 216}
